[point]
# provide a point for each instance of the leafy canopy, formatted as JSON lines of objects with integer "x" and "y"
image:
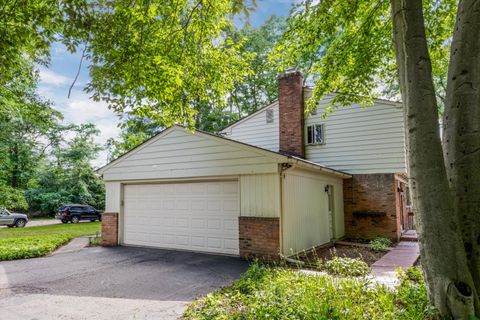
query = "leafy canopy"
{"x": 347, "y": 47}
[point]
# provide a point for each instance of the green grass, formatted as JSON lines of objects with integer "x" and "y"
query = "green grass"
{"x": 282, "y": 293}
{"x": 21, "y": 243}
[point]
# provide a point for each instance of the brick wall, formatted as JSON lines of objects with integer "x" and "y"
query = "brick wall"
{"x": 290, "y": 99}
{"x": 370, "y": 206}
{"x": 259, "y": 238}
{"x": 109, "y": 229}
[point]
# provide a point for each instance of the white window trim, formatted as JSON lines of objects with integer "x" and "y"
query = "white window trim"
{"x": 323, "y": 142}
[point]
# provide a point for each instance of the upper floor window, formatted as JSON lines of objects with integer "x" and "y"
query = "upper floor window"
{"x": 316, "y": 134}
{"x": 269, "y": 116}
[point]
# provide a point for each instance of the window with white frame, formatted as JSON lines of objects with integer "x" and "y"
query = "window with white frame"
{"x": 269, "y": 116}
{"x": 316, "y": 134}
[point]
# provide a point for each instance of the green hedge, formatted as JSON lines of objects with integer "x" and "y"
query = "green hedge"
{"x": 31, "y": 246}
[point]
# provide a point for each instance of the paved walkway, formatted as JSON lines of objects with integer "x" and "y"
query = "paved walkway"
{"x": 74, "y": 245}
{"x": 404, "y": 255}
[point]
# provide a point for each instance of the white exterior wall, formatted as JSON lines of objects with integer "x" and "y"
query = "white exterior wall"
{"x": 180, "y": 154}
{"x": 256, "y": 131}
{"x": 360, "y": 140}
{"x": 260, "y": 195}
{"x": 113, "y": 196}
{"x": 305, "y": 219}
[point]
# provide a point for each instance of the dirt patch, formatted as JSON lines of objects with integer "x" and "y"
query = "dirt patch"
{"x": 345, "y": 251}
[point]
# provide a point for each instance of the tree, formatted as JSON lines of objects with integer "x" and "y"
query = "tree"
{"x": 67, "y": 176}
{"x": 359, "y": 60}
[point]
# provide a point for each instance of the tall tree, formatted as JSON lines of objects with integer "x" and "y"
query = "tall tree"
{"x": 359, "y": 60}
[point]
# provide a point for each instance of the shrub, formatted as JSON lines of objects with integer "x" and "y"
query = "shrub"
{"x": 411, "y": 296}
{"x": 346, "y": 267}
{"x": 30, "y": 246}
{"x": 379, "y": 244}
{"x": 282, "y": 293}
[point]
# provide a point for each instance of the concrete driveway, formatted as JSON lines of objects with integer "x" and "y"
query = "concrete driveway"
{"x": 111, "y": 283}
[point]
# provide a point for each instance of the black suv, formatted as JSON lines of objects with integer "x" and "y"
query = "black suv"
{"x": 76, "y": 212}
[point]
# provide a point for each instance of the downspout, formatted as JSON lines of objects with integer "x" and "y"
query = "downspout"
{"x": 283, "y": 167}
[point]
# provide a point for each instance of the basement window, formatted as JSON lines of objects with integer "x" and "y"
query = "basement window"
{"x": 269, "y": 116}
{"x": 316, "y": 134}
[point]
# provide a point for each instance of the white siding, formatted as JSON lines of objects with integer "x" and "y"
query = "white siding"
{"x": 305, "y": 219}
{"x": 112, "y": 196}
{"x": 256, "y": 131}
{"x": 260, "y": 195}
{"x": 180, "y": 154}
{"x": 360, "y": 140}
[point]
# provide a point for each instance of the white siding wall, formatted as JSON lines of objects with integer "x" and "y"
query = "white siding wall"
{"x": 256, "y": 131}
{"x": 360, "y": 140}
{"x": 305, "y": 219}
{"x": 112, "y": 196}
{"x": 179, "y": 154}
{"x": 260, "y": 195}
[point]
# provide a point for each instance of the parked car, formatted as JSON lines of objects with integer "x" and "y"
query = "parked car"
{"x": 74, "y": 213}
{"x": 12, "y": 219}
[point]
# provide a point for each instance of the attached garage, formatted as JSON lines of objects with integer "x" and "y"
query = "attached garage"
{"x": 202, "y": 192}
{"x": 196, "y": 216}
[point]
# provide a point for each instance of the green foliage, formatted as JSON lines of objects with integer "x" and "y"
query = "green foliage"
{"x": 12, "y": 198}
{"x": 21, "y": 243}
{"x": 412, "y": 297}
{"x": 158, "y": 59}
{"x": 30, "y": 247}
{"x": 69, "y": 177}
{"x": 347, "y": 48}
{"x": 278, "y": 293}
{"x": 346, "y": 267}
{"x": 379, "y": 244}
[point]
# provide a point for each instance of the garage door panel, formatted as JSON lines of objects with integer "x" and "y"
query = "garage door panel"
{"x": 199, "y": 216}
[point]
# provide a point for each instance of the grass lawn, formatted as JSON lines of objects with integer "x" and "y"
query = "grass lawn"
{"x": 283, "y": 293}
{"x": 21, "y": 243}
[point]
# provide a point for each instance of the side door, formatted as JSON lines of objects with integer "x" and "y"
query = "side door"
{"x": 89, "y": 213}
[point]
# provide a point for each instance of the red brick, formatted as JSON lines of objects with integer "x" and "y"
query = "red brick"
{"x": 370, "y": 206}
{"x": 291, "y": 119}
{"x": 259, "y": 238}
{"x": 109, "y": 229}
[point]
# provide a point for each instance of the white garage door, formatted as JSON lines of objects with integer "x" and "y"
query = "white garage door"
{"x": 197, "y": 216}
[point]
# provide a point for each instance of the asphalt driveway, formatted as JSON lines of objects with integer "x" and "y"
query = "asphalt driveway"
{"x": 111, "y": 283}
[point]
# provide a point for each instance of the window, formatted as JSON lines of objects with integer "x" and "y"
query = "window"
{"x": 316, "y": 134}
{"x": 269, "y": 115}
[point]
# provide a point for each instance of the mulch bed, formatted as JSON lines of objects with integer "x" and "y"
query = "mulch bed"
{"x": 345, "y": 251}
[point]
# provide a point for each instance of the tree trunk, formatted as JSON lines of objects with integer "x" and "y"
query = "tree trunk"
{"x": 443, "y": 256}
{"x": 462, "y": 131}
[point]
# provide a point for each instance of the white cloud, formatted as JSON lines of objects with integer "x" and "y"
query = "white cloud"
{"x": 49, "y": 77}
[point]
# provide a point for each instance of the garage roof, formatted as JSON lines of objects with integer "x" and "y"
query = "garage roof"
{"x": 281, "y": 158}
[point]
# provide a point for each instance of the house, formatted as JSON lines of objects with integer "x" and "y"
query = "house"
{"x": 274, "y": 182}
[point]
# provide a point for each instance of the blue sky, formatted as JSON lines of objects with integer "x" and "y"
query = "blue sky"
{"x": 79, "y": 108}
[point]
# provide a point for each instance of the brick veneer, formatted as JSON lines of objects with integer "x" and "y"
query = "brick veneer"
{"x": 259, "y": 238}
{"x": 370, "y": 206}
{"x": 290, "y": 101}
{"x": 109, "y": 229}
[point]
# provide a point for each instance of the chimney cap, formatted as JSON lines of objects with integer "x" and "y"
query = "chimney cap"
{"x": 291, "y": 71}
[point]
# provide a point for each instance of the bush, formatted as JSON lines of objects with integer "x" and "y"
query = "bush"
{"x": 281, "y": 293}
{"x": 30, "y": 246}
{"x": 346, "y": 267}
{"x": 379, "y": 244}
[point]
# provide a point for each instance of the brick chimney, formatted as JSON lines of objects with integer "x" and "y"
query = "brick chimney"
{"x": 290, "y": 99}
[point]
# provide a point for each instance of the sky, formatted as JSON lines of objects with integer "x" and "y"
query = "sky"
{"x": 56, "y": 80}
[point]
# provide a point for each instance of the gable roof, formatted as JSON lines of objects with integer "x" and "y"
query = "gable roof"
{"x": 281, "y": 158}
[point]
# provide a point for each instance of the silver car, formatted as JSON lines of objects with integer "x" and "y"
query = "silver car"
{"x": 12, "y": 219}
